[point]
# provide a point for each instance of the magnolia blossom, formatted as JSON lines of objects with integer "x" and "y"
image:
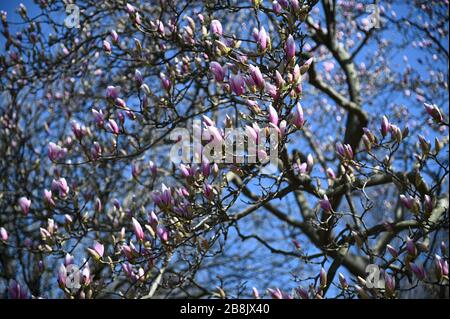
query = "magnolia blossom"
{"x": 218, "y": 71}
{"x": 138, "y": 231}
{"x": 290, "y": 47}
{"x": 216, "y": 27}
{"x": 25, "y": 204}
{"x": 237, "y": 84}
{"x": 97, "y": 250}
{"x": 3, "y": 234}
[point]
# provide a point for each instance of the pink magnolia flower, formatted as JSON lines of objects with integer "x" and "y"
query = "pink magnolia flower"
{"x": 276, "y": 7}
{"x": 297, "y": 116}
{"x": 112, "y": 125}
{"x": 107, "y": 47}
{"x": 112, "y": 92}
{"x": 48, "y": 197}
{"x": 257, "y": 76}
{"x": 418, "y": 270}
{"x": 434, "y": 112}
{"x": 130, "y": 9}
{"x": 385, "y": 126}
{"x": 305, "y": 67}
{"x": 138, "y": 229}
{"x": 216, "y": 27}
{"x": 217, "y": 70}
{"x": 290, "y": 48}
{"x": 25, "y": 204}
{"x": 55, "y": 152}
{"x": 114, "y": 36}
{"x": 163, "y": 233}
{"x": 99, "y": 117}
{"x": 237, "y": 84}
{"x": 325, "y": 204}
{"x": 97, "y": 250}
{"x": 153, "y": 168}
{"x": 3, "y": 234}
{"x": 262, "y": 39}
{"x": 60, "y": 186}
{"x": 273, "y": 115}
{"x": 392, "y": 251}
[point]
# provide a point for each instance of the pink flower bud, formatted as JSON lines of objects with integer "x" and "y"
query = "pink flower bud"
{"x": 237, "y": 84}
{"x": 163, "y": 234}
{"x": 114, "y": 36}
{"x": 419, "y": 271}
{"x": 325, "y": 204}
{"x": 112, "y": 92}
{"x": 113, "y": 127}
{"x": 257, "y": 76}
{"x": 165, "y": 82}
{"x": 153, "y": 220}
{"x": 262, "y": 39}
{"x": 273, "y": 115}
{"x": 107, "y": 47}
{"x": 305, "y": 67}
{"x": 385, "y": 126}
{"x": 98, "y": 205}
{"x": 276, "y": 7}
{"x": 411, "y": 247}
{"x": 25, "y": 204}
{"x": 130, "y": 9}
{"x": 138, "y": 230}
{"x": 97, "y": 250}
{"x": 343, "y": 281}
{"x": 297, "y": 116}
{"x": 330, "y": 173}
{"x": 48, "y": 197}
{"x": 279, "y": 79}
{"x": 78, "y": 130}
{"x": 61, "y": 187}
{"x": 290, "y": 48}
{"x": 138, "y": 78}
{"x": 392, "y": 251}
{"x": 3, "y": 234}
{"x": 302, "y": 293}
{"x": 55, "y": 152}
{"x": 216, "y": 27}
{"x": 276, "y": 294}
{"x": 153, "y": 168}
{"x": 218, "y": 71}
{"x": 99, "y": 118}
{"x": 96, "y": 151}
{"x": 255, "y": 293}
{"x": 428, "y": 204}
{"x": 434, "y": 112}
{"x": 272, "y": 90}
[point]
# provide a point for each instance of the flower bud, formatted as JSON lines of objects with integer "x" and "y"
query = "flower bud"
{"x": 290, "y": 48}
{"x": 218, "y": 71}
{"x": 216, "y": 27}
{"x": 25, "y": 204}
{"x": 139, "y": 233}
{"x": 3, "y": 234}
{"x": 384, "y": 126}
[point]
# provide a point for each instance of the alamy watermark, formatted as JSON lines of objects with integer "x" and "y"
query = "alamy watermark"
{"x": 375, "y": 278}
{"x": 73, "y": 18}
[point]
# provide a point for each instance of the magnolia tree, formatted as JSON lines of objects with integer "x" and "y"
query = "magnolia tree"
{"x": 224, "y": 149}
